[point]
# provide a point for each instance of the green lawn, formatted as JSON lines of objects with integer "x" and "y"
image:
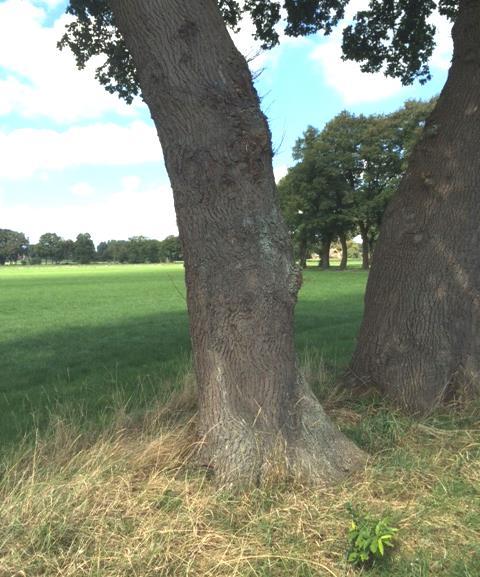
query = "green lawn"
{"x": 78, "y": 336}
{"x": 127, "y": 500}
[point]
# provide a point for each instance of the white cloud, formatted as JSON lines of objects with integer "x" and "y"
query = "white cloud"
{"x": 27, "y": 152}
{"x": 125, "y": 213}
{"x": 82, "y": 190}
{"x": 346, "y": 77}
{"x": 40, "y": 81}
{"x": 131, "y": 183}
{"x": 280, "y": 171}
{"x": 442, "y": 55}
{"x": 355, "y": 86}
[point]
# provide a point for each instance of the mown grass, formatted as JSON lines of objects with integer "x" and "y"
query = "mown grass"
{"x": 88, "y": 335}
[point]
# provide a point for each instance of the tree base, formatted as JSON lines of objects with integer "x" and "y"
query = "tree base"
{"x": 314, "y": 452}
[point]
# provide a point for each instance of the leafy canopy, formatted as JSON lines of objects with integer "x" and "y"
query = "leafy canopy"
{"x": 394, "y": 35}
{"x": 346, "y": 174}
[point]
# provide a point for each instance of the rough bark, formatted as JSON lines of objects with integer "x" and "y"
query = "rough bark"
{"x": 343, "y": 242}
{"x": 420, "y": 337}
{"x": 365, "y": 247}
{"x": 241, "y": 279}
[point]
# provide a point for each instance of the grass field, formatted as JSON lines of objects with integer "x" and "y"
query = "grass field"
{"x": 125, "y": 499}
{"x": 84, "y": 335}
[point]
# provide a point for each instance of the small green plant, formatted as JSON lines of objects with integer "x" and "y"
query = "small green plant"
{"x": 368, "y": 538}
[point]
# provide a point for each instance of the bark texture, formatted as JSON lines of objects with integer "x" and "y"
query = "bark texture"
{"x": 241, "y": 279}
{"x": 420, "y": 337}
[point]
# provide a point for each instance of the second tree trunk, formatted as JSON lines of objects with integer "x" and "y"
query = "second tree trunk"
{"x": 420, "y": 337}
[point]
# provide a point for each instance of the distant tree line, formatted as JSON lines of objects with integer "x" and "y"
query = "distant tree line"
{"x": 52, "y": 248}
{"x": 140, "y": 249}
{"x": 344, "y": 178}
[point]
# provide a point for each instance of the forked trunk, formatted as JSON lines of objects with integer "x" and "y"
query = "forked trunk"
{"x": 420, "y": 337}
{"x": 241, "y": 279}
{"x": 343, "y": 242}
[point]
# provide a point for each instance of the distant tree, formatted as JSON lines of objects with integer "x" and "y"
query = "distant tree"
{"x": 67, "y": 250}
{"x": 315, "y": 196}
{"x": 299, "y": 216}
{"x": 140, "y": 249}
{"x": 102, "y": 252}
{"x": 336, "y": 151}
{"x": 113, "y": 251}
{"x": 153, "y": 249}
{"x": 346, "y": 174}
{"x": 50, "y": 247}
{"x": 84, "y": 249}
{"x": 13, "y": 245}
{"x": 171, "y": 249}
{"x": 137, "y": 249}
{"x": 118, "y": 250}
{"x": 34, "y": 256}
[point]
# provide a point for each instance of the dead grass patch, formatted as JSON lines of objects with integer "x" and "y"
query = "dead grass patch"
{"x": 130, "y": 502}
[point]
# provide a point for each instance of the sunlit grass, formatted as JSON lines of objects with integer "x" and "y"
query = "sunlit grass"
{"x": 84, "y": 335}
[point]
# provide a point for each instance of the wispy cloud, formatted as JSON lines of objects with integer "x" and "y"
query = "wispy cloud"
{"x": 355, "y": 86}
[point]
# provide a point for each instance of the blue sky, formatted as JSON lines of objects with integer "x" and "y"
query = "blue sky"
{"x": 76, "y": 159}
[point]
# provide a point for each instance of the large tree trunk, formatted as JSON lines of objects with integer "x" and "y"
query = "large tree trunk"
{"x": 241, "y": 280}
{"x": 420, "y": 337}
{"x": 343, "y": 242}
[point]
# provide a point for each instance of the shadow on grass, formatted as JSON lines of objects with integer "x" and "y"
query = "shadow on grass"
{"x": 144, "y": 357}
{"x": 87, "y": 366}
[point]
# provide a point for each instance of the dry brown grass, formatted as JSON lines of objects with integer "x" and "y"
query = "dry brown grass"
{"x": 130, "y": 503}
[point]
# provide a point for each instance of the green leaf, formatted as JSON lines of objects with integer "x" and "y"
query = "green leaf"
{"x": 380, "y": 547}
{"x": 352, "y": 558}
{"x": 389, "y": 544}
